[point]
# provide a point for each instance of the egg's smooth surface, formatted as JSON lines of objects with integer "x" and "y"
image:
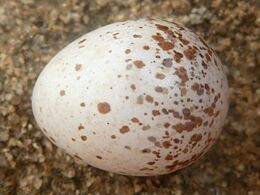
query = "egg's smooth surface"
{"x": 143, "y": 97}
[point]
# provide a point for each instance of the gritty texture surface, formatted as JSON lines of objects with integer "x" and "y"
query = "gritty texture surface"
{"x": 33, "y": 31}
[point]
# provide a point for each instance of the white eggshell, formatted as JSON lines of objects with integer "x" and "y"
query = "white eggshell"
{"x": 143, "y": 97}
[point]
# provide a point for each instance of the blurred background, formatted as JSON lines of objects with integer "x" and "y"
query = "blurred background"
{"x": 33, "y": 31}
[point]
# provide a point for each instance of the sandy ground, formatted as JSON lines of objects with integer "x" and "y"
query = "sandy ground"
{"x": 32, "y": 31}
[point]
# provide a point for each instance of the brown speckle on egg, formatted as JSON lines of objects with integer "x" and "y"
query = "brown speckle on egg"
{"x": 62, "y": 92}
{"x": 167, "y": 62}
{"x": 127, "y": 51}
{"x": 80, "y": 127}
{"x": 160, "y": 76}
{"x": 104, "y": 107}
{"x": 83, "y": 137}
{"x": 137, "y": 36}
{"x": 189, "y": 53}
{"x": 139, "y": 64}
{"x": 78, "y": 67}
{"x": 82, "y": 104}
{"x": 124, "y": 129}
{"x": 149, "y": 98}
{"x": 146, "y": 47}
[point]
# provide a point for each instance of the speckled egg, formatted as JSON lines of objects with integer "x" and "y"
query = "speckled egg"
{"x": 140, "y": 97}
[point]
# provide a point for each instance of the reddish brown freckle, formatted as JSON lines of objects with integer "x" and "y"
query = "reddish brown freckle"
{"x": 146, "y": 47}
{"x": 99, "y": 157}
{"x": 196, "y": 137}
{"x": 62, "y": 92}
{"x": 209, "y": 111}
{"x": 83, "y": 137}
{"x": 158, "y": 38}
{"x": 127, "y": 51}
{"x": 80, "y": 127}
{"x": 182, "y": 74}
{"x": 137, "y": 36}
{"x": 166, "y": 45}
{"x": 124, "y": 129}
{"x": 103, "y": 107}
{"x": 139, "y": 64}
{"x": 82, "y": 104}
{"x": 149, "y": 98}
{"x": 113, "y": 137}
{"x": 126, "y": 97}
{"x": 78, "y": 67}
{"x": 160, "y": 76}
{"x": 156, "y": 112}
{"x": 133, "y": 87}
{"x": 177, "y": 56}
{"x": 166, "y": 144}
{"x": 189, "y": 53}
{"x": 161, "y": 27}
{"x": 169, "y": 157}
{"x": 161, "y": 90}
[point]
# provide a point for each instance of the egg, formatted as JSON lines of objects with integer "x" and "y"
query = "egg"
{"x": 141, "y": 97}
